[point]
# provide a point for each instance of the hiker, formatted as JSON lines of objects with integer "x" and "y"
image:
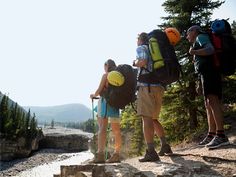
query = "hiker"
{"x": 210, "y": 79}
{"x": 149, "y": 103}
{"x": 105, "y": 111}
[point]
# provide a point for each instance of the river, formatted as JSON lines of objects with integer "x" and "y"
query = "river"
{"x": 48, "y": 169}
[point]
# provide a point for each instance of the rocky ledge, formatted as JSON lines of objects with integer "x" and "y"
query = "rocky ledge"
{"x": 188, "y": 161}
{"x": 70, "y": 143}
{"x": 19, "y": 148}
{"x": 71, "y": 140}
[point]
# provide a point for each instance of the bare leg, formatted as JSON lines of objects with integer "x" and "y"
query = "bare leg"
{"x": 148, "y": 129}
{"x": 158, "y": 128}
{"x": 165, "y": 148}
{"x": 116, "y": 131}
{"x": 210, "y": 118}
{"x": 102, "y": 122}
{"x": 217, "y": 114}
{"x": 216, "y": 111}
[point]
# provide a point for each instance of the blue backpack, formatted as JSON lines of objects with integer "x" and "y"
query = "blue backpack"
{"x": 225, "y": 46}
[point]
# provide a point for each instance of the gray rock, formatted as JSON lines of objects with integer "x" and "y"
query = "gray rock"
{"x": 71, "y": 142}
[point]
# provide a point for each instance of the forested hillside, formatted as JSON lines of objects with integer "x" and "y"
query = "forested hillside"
{"x": 16, "y": 122}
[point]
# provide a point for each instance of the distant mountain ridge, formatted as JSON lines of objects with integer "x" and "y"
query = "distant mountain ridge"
{"x": 75, "y": 112}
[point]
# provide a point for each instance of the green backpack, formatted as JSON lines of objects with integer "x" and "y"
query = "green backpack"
{"x": 166, "y": 68}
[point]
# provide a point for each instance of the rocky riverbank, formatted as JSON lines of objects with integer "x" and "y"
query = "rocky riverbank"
{"x": 14, "y": 167}
{"x": 73, "y": 141}
{"x": 20, "y": 147}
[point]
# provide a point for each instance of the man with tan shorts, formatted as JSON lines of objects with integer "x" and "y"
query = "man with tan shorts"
{"x": 149, "y": 103}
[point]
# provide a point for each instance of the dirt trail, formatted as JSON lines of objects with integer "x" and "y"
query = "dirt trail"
{"x": 191, "y": 162}
{"x": 194, "y": 161}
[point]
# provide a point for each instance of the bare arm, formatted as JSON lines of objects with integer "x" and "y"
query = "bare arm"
{"x": 207, "y": 50}
{"x": 140, "y": 63}
{"x": 100, "y": 87}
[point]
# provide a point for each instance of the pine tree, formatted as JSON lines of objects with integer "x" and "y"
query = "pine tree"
{"x": 14, "y": 123}
{"x": 89, "y": 126}
{"x": 27, "y": 124}
{"x": 4, "y": 114}
{"x": 137, "y": 140}
{"x": 132, "y": 127}
{"x": 21, "y": 122}
{"x": 14, "y": 110}
{"x": 33, "y": 127}
{"x": 52, "y": 123}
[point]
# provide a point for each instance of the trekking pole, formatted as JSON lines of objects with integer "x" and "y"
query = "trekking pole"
{"x": 107, "y": 141}
{"x": 107, "y": 135}
{"x": 93, "y": 114}
{"x": 93, "y": 141}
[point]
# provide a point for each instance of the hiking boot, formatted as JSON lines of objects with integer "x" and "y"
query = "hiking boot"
{"x": 165, "y": 149}
{"x": 205, "y": 141}
{"x": 217, "y": 142}
{"x": 115, "y": 158}
{"x": 99, "y": 158}
{"x": 150, "y": 156}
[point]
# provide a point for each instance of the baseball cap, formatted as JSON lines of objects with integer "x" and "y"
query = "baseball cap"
{"x": 194, "y": 28}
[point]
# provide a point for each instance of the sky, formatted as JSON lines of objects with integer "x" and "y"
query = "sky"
{"x": 52, "y": 52}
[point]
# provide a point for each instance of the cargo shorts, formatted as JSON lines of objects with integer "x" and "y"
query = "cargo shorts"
{"x": 149, "y": 101}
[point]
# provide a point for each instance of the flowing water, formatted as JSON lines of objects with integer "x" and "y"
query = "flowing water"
{"x": 47, "y": 170}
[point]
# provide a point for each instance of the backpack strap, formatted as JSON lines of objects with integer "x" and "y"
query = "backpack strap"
{"x": 149, "y": 85}
{"x": 146, "y": 48}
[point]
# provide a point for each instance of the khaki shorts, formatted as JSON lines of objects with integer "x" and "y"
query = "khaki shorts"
{"x": 149, "y": 103}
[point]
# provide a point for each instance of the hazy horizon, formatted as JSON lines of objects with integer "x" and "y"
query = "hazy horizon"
{"x": 56, "y": 49}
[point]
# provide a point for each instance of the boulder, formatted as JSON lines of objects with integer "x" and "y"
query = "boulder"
{"x": 18, "y": 148}
{"x": 70, "y": 142}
